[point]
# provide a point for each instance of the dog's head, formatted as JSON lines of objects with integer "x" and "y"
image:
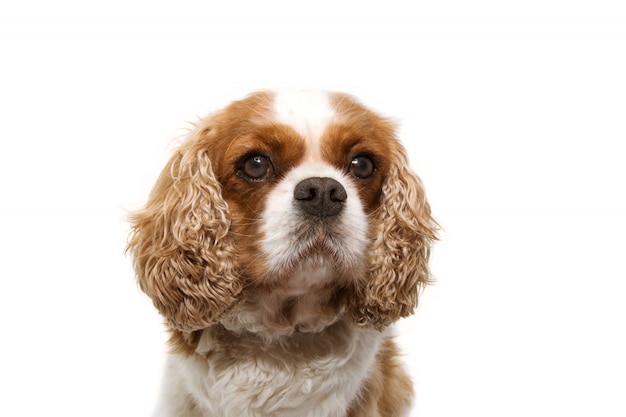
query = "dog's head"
{"x": 288, "y": 205}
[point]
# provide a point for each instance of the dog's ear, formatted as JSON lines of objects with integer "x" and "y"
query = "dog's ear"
{"x": 398, "y": 262}
{"x": 184, "y": 256}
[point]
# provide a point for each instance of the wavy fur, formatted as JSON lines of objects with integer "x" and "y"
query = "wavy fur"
{"x": 403, "y": 234}
{"x": 184, "y": 256}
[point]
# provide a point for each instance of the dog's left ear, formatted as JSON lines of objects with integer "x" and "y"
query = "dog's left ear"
{"x": 398, "y": 262}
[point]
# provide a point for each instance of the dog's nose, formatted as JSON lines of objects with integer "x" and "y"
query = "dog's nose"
{"x": 322, "y": 197}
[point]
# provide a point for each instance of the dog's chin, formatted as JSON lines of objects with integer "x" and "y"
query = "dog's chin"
{"x": 327, "y": 263}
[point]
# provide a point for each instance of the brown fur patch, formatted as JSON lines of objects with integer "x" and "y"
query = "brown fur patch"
{"x": 387, "y": 390}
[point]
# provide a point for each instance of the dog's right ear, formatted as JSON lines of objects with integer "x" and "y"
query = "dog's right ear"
{"x": 183, "y": 253}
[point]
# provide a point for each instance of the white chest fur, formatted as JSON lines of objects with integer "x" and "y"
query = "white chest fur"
{"x": 309, "y": 375}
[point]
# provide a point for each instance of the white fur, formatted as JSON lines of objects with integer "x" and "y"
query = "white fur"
{"x": 281, "y": 218}
{"x": 318, "y": 376}
{"x": 308, "y": 113}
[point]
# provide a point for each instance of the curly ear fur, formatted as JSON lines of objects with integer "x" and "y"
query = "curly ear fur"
{"x": 402, "y": 237}
{"x": 183, "y": 254}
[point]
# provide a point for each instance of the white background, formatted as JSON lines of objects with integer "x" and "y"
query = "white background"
{"x": 514, "y": 114}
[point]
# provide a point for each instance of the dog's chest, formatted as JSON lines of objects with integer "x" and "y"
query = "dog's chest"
{"x": 312, "y": 376}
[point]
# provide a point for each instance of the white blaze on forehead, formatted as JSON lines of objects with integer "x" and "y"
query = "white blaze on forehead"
{"x": 307, "y": 112}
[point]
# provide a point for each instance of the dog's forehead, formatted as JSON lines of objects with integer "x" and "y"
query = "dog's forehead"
{"x": 309, "y": 113}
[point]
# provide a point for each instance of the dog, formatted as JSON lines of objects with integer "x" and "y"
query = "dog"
{"x": 281, "y": 240}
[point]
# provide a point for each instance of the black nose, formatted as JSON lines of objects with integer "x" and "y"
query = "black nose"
{"x": 321, "y": 197}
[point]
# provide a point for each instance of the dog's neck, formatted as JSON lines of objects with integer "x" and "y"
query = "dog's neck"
{"x": 308, "y": 299}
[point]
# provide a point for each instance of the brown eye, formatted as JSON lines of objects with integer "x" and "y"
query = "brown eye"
{"x": 362, "y": 167}
{"x": 257, "y": 168}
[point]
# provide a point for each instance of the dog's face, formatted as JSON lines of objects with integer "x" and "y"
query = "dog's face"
{"x": 284, "y": 212}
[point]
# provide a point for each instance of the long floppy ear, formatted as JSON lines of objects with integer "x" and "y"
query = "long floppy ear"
{"x": 403, "y": 233}
{"x": 183, "y": 254}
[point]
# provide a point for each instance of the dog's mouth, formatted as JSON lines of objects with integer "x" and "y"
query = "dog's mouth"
{"x": 321, "y": 250}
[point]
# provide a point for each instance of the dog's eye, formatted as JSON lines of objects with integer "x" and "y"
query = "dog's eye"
{"x": 362, "y": 167}
{"x": 257, "y": 167}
